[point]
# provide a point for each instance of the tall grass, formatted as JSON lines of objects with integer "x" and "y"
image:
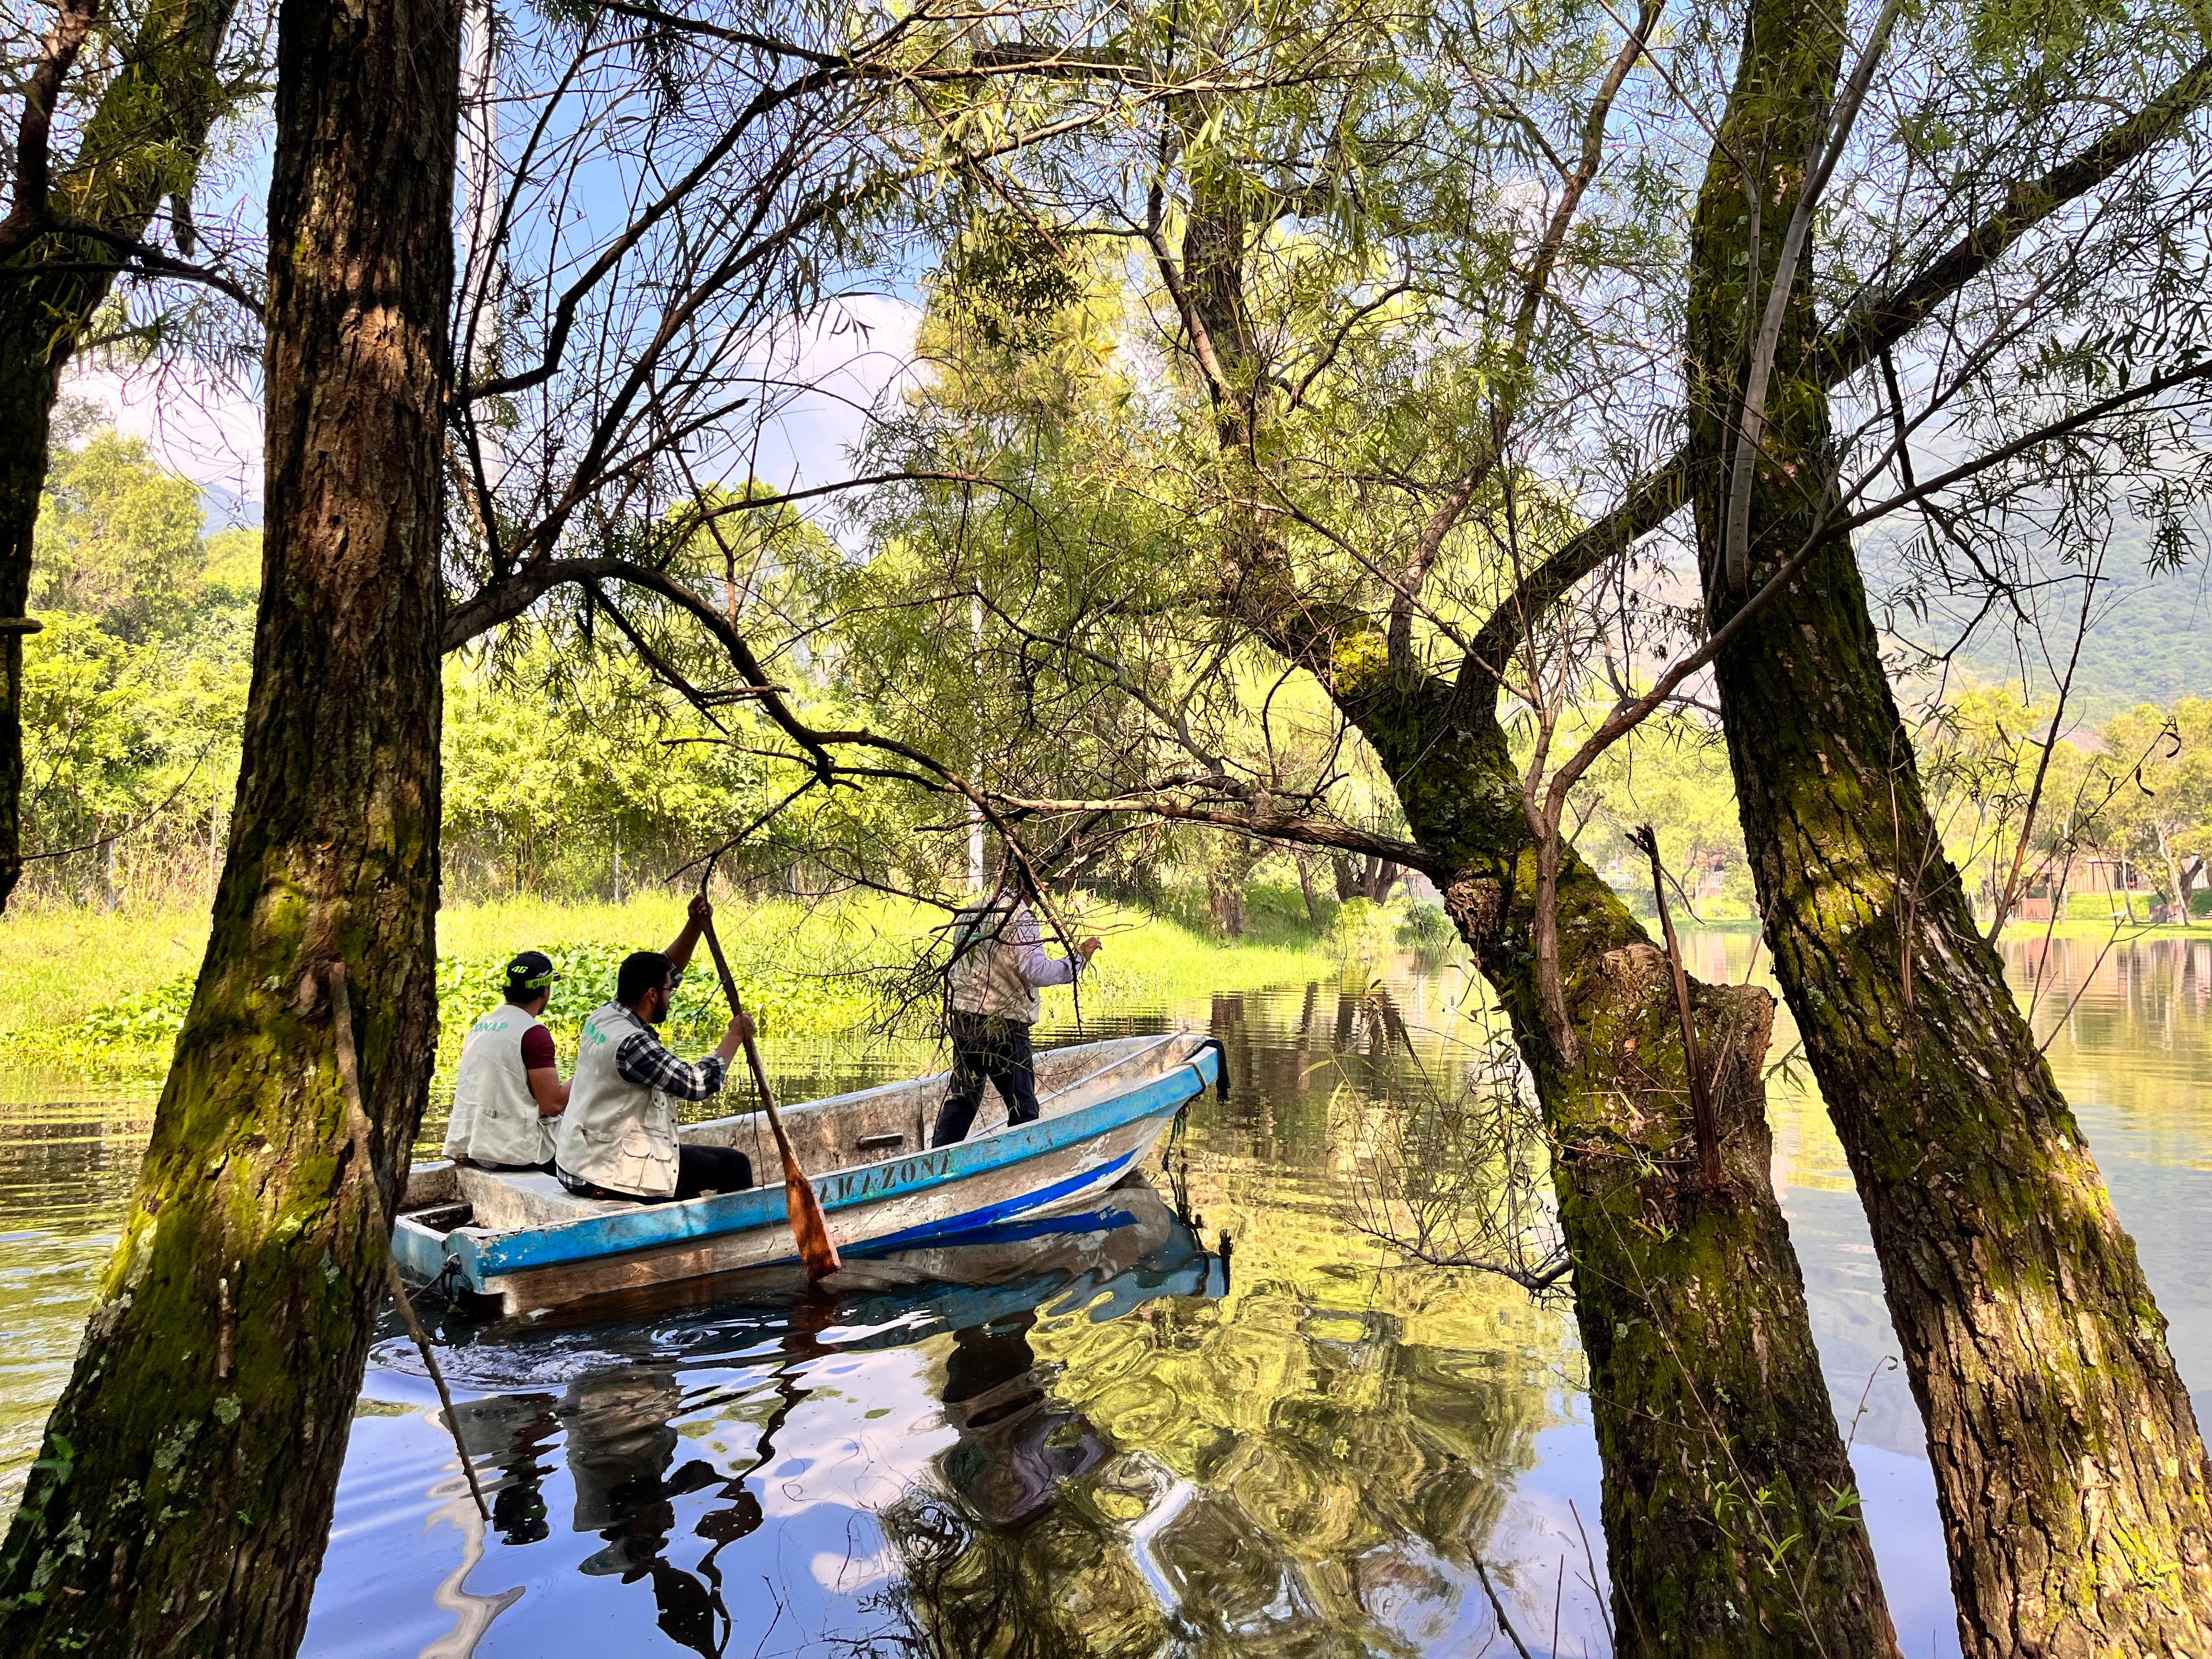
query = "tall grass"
{"x": 93, "y": 994}
{"x": 59, "y": 962}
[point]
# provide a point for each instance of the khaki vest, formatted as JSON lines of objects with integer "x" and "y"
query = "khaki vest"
{"x": 616, "y": 1134}
{"x": 495, "y": 1117}
{"x": 986, "y": 974}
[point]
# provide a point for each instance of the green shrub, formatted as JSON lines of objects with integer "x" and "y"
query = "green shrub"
{"x": 1427, "y": 927}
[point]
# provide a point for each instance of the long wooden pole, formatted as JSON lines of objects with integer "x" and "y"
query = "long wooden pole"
{"x": 1703, "y": 1119}
{"x": 801, "y": 1203}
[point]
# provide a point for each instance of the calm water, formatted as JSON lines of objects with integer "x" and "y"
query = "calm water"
{"x": 1104, "y": 1438}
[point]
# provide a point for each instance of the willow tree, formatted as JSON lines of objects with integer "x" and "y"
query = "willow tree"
{"x": 1401, "y": 412}
{"x": 185, "y": 1485}
{"x": 2074, "y": 1484}
{"x": 139, "y": 97}
{"x": 1728, "y": 1514}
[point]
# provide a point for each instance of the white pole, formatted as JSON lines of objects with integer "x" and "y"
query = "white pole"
{"x": 484, "y": 282}
{"x": 975, "y": 817}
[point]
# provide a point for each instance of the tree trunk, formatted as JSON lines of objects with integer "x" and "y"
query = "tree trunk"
{"x": 146, "y": 135}
{"x": 1228, "y": 865}
{"x": 184, "y": 1491}
{"x": 1306, "y": 889}
{"x": 1731, "y": 1521}
{"x": 1381, "y": 876}
{"x": 1347, "y": 882}
{"x": 2068, "y": 1465}
{"x": 1731, "y": 1524}
{"x": 2177, "y": 889}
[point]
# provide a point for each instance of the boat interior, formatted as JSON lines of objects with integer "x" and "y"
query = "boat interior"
{"x": 842, "y": 1132}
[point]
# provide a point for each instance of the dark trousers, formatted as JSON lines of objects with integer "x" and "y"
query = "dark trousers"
{"x": 987, "y": 1050}
{"x": 711, "y": 1170}
{"x": 699, "y": 1171}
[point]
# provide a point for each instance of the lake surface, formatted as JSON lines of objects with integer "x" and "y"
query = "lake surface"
{"x": 1106, "y": 1438}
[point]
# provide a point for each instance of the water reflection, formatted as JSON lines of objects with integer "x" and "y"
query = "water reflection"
{"x": 1090, "y": 1437}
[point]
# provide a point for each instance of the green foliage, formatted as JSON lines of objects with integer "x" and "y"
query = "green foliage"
{"x": 1427, "y": 927}
{"x": 1671, "y": 772}
{"x": 1006, "y": 281}
{"x": 802, "y": 971}
{"x": 118, "y": 539}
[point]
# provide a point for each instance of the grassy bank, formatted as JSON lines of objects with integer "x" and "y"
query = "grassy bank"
{"x": 2103, "y": 929}
{"x": 100, "y": 997}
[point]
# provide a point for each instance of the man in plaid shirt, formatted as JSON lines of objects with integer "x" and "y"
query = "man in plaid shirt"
{"x": 618, "y": 1136}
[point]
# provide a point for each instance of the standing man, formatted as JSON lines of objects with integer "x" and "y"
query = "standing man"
{"x": 618, "y": 1136}
{"x": 999, "y": 961}
{"x": 509, "y": 1093}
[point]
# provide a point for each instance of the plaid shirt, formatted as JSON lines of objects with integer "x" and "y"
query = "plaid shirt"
{"x": 643, "y": 1060}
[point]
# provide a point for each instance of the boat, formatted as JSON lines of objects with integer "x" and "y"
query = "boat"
{"x": 527, "y": 1242}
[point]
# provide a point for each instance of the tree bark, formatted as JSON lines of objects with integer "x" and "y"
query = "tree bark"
{"x": 1730, "y": 1513}
{"x": 184, "y": 1491}
{"x": 1306, "y": 888}
{"x": 1730, "y": 1510}
{"x": 142, "y": 144}
{"x": 1227, "y": 867}
{"x": 2069, "y": 1467}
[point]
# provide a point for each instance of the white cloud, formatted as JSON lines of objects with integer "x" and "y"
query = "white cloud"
{"x": 846, "y": 355}
{"x": 202, "y": 424}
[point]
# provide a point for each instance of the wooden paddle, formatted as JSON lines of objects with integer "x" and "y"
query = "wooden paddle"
{"x": 803, "y": 1207}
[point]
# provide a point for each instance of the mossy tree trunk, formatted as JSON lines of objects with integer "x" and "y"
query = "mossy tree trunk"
{"x": 1730, "y": 1513}
{"x": 184, "y": 1491}
{"x": 142, "y": 145}
{"x": 2069, "y": 1467}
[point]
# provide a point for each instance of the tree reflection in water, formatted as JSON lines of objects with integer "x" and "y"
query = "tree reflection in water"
{"x": 1111, "y": 1458}
{"x": 1318, "y": 1478}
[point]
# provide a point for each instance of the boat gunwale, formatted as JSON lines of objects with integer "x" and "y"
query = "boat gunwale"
{"x": 483, "y": 1256}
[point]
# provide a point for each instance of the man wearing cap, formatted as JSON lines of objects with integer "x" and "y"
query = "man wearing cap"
{"x": 509, "y": 1095}
{"x": 617, "y": 1138}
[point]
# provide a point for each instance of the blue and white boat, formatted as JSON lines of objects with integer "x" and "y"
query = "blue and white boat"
{"x": 527, "y": 1240}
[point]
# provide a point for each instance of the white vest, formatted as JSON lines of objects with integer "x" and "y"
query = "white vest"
{"x": 616, "y": 1134}
{"x": 986, "y": 976}
{"x": 495, "y": 1117}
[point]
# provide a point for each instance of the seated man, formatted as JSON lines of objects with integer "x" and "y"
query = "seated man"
{"x": 509, "y": 1090}
{"x": 618, "y": 1136}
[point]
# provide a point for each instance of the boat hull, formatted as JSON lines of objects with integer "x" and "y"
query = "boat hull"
{"x": 1079, "y": 1146}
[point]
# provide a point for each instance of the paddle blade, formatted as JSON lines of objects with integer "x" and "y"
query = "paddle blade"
{"x": 809, "y": 1226}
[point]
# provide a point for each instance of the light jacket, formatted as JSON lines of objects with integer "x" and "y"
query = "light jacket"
{"x": 616, "y": 1134}
{"x": 495, "y": 1117}
{"x": 999, "y": 960}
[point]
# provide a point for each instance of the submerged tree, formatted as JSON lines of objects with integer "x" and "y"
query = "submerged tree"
{"x": 1728, "y": 1516}
{"x": 184, "y": 1488}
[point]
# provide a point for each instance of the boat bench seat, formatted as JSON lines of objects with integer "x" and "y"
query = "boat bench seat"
{"x": 512, "y": 1203}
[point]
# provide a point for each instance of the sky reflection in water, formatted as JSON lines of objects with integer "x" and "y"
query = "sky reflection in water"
{"x": 1097, "y": 1441}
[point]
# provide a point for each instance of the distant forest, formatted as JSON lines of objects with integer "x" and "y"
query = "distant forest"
{"x": 2150, "y": 638}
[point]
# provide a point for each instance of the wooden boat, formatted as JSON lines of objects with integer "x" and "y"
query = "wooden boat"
{"x": 531, "y": 1243}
